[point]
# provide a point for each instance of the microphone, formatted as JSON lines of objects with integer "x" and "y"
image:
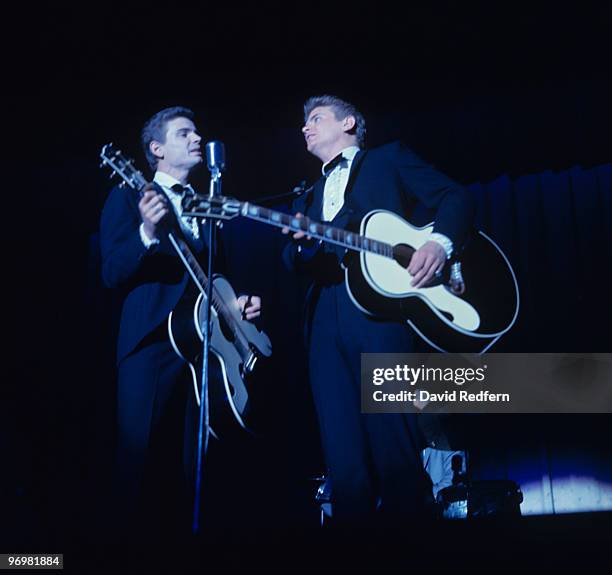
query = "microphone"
{"x": 215, "y": 156}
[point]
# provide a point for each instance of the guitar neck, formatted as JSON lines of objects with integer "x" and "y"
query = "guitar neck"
{"x": 124, "y": 167}
{"x": 190, "y": 262}
{"x": 319, "y": 231}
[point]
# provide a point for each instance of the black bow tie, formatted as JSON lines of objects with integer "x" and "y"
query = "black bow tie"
{"x": 331, "y": 165}
{"x": 179, "y": 189}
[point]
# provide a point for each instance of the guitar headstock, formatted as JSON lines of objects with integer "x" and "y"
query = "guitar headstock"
{"x": 114, "y": 159}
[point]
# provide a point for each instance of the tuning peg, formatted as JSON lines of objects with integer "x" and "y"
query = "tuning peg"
{"x": 113, "y": 173}
{"x": 103, "y": 163}
{"x": 122, "y": 185}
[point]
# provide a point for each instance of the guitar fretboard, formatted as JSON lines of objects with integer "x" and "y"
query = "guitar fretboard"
{"x": 323, "y": 232}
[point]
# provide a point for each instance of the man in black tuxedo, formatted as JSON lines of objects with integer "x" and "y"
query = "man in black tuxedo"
{"x": 154, "y": 387}
{"x": 373, "y": 460}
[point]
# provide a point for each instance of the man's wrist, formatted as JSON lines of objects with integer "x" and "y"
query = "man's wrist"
{"x": 444, "y": 241}
{"x": 146, "y": 240}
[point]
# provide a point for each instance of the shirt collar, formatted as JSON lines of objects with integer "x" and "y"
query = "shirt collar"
{"x": 166, "y": 181}
{"x": 348, "y": 153}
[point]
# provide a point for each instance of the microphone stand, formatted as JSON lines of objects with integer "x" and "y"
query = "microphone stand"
{"x": 204, "y": 423}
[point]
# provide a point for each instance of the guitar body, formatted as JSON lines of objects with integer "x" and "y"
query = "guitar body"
{"x": 467, "y": 323}
{"x": 231, "y": 360}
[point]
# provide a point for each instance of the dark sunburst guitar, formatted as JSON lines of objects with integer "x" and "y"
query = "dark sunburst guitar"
{"x": 237, "y": 344}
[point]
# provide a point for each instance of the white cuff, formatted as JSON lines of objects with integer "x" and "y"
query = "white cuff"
{"x": 145, "y": 239}
{"x": 445, "y": 242}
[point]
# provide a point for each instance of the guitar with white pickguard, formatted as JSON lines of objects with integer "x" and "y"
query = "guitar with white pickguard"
{"x": 464, "y": 309}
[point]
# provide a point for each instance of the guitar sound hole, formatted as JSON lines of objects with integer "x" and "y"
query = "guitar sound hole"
{"x": 402, "y": 254}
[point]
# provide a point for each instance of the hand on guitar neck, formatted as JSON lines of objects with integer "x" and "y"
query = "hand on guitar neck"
{"x": 298, "y": 236}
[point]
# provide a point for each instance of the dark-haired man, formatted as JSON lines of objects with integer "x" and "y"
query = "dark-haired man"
{"x": 373, "y": 460}
{"x": 154, "y": 390}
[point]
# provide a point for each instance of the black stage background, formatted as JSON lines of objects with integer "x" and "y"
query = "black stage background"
{"x": 513, "y": 103}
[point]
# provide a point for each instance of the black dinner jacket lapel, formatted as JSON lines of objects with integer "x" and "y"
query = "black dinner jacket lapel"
{"x": 196, "y": 245}
{"x": 341, "y": 217}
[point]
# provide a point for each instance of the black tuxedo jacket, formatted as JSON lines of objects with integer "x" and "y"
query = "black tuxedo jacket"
{"x": 389, "y": 177}
{"x": 153, "y": 280}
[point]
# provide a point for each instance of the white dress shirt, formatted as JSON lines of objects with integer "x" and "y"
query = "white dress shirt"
{"x": 335, "y": 183}
{"x": 335, "y": 186}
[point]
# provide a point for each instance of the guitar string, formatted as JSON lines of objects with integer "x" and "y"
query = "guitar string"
{"x": 267, "y": 216}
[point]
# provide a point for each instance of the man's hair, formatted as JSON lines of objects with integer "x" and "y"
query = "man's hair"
{"x": 341, "y": 110}
{"x": 155, "y": 129}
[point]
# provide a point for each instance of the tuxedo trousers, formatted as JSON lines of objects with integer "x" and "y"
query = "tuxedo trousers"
{"x": 373, "y": 460}
{"x": 157, "y": 427}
